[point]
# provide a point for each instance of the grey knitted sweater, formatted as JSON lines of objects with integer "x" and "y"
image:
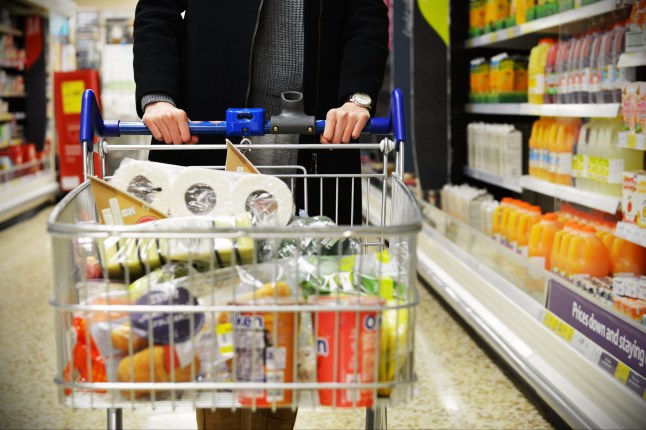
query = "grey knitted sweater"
{"x": 277, "y": 66}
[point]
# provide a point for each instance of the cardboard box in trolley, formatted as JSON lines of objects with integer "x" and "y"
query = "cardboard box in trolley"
{"x": 117, "y": 207}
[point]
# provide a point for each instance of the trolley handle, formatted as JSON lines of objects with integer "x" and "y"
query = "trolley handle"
{"x": 242, "y": 121}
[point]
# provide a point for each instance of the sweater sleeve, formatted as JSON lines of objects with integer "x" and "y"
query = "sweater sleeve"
{"x": 158, "y": 32}
{"x": 365, "y": 48}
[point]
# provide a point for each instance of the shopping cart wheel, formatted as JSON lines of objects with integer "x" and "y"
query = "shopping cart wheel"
{"x": 115, "y": 419}
{"x": 376, "y": 418}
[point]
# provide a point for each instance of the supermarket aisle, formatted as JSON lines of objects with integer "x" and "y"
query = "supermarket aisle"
{"x": 459, "y": 385}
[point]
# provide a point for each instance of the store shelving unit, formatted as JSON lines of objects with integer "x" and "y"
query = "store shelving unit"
{"x": 504, "y": 297}
{"x": 549, "y": 24}
{"x": 602, "y": 110}
{"x": 608, "y": 204}
{"x": 632, "y": 141}
{"x": 28, "y": 185}
{"x": 631, "y": 232}
{"x": 478, "y": 277}
{"x": 510, "y": 184}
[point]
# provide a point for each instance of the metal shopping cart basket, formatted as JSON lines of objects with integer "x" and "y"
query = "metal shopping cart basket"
{"x": 231, "y": 311}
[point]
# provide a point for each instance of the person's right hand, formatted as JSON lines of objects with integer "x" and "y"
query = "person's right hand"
{"x": 168, "y": 123}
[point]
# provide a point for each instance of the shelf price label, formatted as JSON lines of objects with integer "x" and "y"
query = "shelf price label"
{"x": 621, "y": 372}
{"x": 565, "y": 331}
{"x": 550, "y": 321}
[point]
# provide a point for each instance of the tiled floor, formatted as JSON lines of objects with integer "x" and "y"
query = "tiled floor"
{"x": 460, "y": 386}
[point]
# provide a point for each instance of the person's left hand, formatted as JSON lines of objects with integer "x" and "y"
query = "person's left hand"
{"x": 344, "y": 123}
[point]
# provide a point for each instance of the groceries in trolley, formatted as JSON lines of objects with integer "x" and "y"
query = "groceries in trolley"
{"x": 249, "y": 324}
{"x": 198, "y": 296}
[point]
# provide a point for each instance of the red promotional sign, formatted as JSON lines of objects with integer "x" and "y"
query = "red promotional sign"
{"x": 68, "y": 93}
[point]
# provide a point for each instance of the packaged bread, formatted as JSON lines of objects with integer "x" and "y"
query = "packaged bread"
{"x": 137, "y": 368}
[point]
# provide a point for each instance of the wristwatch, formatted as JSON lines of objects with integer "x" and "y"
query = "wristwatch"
{"x": 361, "y": 99}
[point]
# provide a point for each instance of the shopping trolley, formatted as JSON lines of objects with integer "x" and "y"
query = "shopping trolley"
{"x": 270, "y": 316}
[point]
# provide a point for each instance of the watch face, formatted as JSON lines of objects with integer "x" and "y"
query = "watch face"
{"x": 362, "y": 99}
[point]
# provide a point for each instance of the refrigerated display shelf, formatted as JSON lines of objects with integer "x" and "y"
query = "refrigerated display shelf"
{"x": 450, "y": 259}
{"x": 24, "y": 193}
{"x": 10, "y": 116}
{"x": 632, "y": 59}
{"x": 631, "y": 232}
{"x": 608, "y": 204}
{"x": 545, "y": 25}
{"x": 632, "y": 140}
{"x": 601, "y": 110}
{"x": 5, "y": 29}
{"x": 500, "y": 181}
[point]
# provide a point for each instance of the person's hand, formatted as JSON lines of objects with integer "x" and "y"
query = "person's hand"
{"x": 168, "y": 123}
{"x": 344, "y": 123}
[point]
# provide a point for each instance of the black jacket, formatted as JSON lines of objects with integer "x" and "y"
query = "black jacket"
{"x": 203, "y": 62}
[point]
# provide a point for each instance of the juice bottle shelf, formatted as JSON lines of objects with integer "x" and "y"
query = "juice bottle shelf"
{"x": 500, "y": 181}
{"x": 590, "y": 110}
{"x": 631, "y": 232}
{"x": 608, "y": 204}
{"x": 632, "y": 140}
{"x": 549, "y": 24}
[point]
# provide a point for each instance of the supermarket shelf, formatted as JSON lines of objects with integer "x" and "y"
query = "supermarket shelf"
{"x": 543, "y": 24}
{"x": 5, "y": 64}
{"x": 12, "y": 116}
{"x": 632, "y": 59}
{"x": 632, "y": 140}
{"x": 602, "y": 110}
{"x": 5, "y": 29}
{"x": 22, "y": 194}
{"x": 631, "y": 232}
{"x": 500, "y": 181}
{"x": 576, "y": 388}
{"x": 588, "y": 199}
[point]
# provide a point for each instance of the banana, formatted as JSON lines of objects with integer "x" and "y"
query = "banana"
{"x": 394, "y": 344}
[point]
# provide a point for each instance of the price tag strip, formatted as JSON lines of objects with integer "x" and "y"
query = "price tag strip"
{"x": 602, "y": 336}
{"x": 594, "y": 353}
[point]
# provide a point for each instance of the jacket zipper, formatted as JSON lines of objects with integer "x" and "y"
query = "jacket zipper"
{"x": 253, "y": 41}
{"x": 315, "y": 165}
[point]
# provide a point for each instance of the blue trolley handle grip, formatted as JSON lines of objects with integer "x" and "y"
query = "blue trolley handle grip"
{"x": 240, "y": 122}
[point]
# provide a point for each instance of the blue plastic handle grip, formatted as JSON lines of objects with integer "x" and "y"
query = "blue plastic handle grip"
{"x": 93, "y": 124}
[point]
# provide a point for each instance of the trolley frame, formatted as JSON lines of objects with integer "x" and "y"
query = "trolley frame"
{"x": 397, "y": 226}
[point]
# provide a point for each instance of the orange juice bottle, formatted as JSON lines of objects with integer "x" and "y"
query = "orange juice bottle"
{"x": 538, "y": 155}
{"x": 530, "y": 217}
{"x": 543, "y": 148}
{"x": 627, "y": 257}
{"x": 504, "y": 219}
{"x": 605, "y": 233}
{"x": 559, "y": 249}
{"x": 587, "y": 255}
{"x": 512, "y": 222}
{"x": 533, "y": 146}
{"x": 565, "y": 139}
{"x": 550, "y": 150}
{"x": 541, "y": 240}
{"x": 496, "y": 225}
{"x": 536, "y": 70}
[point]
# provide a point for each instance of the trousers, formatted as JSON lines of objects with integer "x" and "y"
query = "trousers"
{"x": 245, "y": 419}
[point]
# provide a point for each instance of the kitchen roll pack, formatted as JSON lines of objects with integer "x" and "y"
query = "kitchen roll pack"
{"x": 197, "y": 191}
{"x": 268, "y": 198}
{"x": 149, "y": 181}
